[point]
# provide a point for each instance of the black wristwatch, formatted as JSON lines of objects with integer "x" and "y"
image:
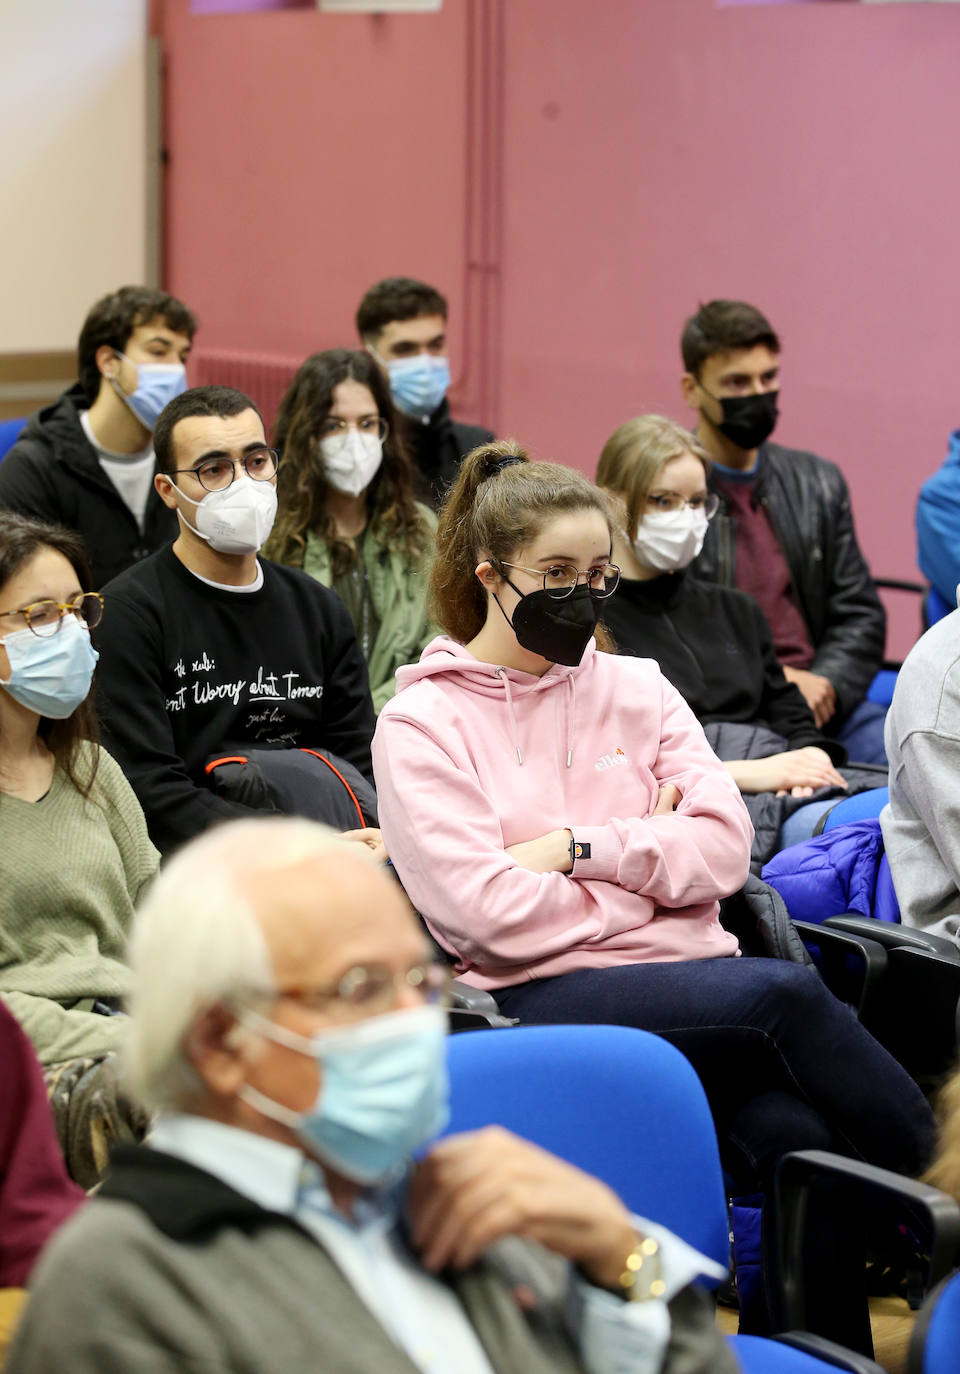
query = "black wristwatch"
{"x": 577, "y": 851}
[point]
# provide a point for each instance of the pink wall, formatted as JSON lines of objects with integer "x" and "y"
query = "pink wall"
{"x": 624, "y": 160}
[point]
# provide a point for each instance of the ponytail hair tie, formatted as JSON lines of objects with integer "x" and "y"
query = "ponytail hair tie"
{"x": 499, "y": 466}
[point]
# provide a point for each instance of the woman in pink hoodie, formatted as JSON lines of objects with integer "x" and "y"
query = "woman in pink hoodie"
{"x": 557, "y": 816}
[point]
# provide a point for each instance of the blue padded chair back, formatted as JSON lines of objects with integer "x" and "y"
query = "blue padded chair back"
{"x": 9, "y": 434}
{"x": 619, "y": 1103}
{"x": 864, "y": 806}
{"x": 934, "y": 606}
{"x": 936, "y": 1337}
{"x": 882, "y": 687}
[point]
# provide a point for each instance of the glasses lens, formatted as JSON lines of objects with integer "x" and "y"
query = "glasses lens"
{"x": 560, "y": 580}
{"x": 374, "y": 427}
{"x": 665, "y": 501}
{"x": 366, "y": 989}
{"x": 262, "y": 465}
{"x": 215, "y": 475}
{"x": 89, "y": 609}
{"x": 43, "y": 617}
{"x": 434, "y": 980}
{"x": 604, "y": 581}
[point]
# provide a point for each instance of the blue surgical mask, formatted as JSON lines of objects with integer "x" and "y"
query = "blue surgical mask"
{"x": 157, "y": 383}
{"x": 418, "y": 384}
{"x": 51, "y": 674}
{"x": 383, "y": 1089}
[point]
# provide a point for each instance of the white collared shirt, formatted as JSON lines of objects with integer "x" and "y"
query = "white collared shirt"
{"x": 421, "y": 1313}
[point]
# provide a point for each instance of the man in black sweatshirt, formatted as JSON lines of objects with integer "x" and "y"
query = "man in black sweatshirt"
{"x": 87, "y": 461}
{"x": 205, "y": 649}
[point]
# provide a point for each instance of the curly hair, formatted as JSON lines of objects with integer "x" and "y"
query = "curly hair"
{"x": 301, "y": 484}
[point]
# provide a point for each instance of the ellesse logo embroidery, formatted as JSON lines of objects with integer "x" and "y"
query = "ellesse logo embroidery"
{"x": 611, "y": 760}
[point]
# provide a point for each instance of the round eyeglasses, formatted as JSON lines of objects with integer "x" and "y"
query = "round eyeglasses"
{"x": 44, "y": 618}
{"x": 216, "y": 474}
{"x": 371, "y": 990}
{"x": 372, "y": 426}
{"x": 672, "y": 500}
{"x": 562, "y": 579}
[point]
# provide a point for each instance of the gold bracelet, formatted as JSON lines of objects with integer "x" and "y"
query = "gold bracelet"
{"x": 642, "y": 1278}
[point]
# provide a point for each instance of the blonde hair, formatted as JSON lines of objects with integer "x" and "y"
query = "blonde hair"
{"x": 944, "y": 1172}
{"x": 498, "y": 504}
{"x": 634, "y": 455}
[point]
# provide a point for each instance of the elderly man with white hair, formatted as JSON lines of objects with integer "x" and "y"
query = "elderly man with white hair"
{"x": 288, "y": 1023}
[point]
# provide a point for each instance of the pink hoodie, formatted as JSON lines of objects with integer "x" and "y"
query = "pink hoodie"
{"x": 470, "y": 758}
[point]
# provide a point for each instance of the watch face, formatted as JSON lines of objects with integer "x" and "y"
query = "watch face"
{"x": 643, "y": 1277}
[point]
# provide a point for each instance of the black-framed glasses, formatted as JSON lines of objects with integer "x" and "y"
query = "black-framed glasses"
{"x": 668, "y": 501}
{"x": 371, "y": 989}
{"x": 374, "y": 426}
{"x": 44, "y": 618}
{"x": 562, "y": 579}
{"x": 216, "y": 474}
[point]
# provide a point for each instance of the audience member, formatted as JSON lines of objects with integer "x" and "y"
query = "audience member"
{"x": 403, "y": 324}
{"x": 784, "y": 531}
{"x": 712, "y": 642}
{"x": 87, "y": 462}
{"x": 210, "y": 654}
{"x": 938, "y": 524}
{"x": 347, "y": 514}
{"x": 74, "y": 852}
{"x": 557, "y": 816}
{"x": 36, "y": 1195}
{"x": 921, "y": 823}
{"x": 290, "y": 1027}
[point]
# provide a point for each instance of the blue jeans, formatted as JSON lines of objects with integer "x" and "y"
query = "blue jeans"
{"x": 785, "y": 1065}
{"x": 860, "y": 732}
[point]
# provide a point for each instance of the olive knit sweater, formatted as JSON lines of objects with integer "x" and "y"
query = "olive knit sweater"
{"x": 71, "y": 870}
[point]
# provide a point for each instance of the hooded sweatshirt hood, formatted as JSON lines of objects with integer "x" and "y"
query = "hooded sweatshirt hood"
{"x": 444, "y": 657}
{"x": 474, "y": 758}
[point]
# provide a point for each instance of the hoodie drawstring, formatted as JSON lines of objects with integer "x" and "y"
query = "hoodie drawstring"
{"x": 502, "y": 673}
{"x": 571, "y": 715}
{"x": 571, "y": 718}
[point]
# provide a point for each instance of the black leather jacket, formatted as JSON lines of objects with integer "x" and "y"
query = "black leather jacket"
{"x": 808, "y": 505}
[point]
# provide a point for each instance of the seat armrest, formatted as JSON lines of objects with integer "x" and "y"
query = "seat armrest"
{"x": 475, "y": 1009}
{"x": 891, "y": 935}
{"x": 836, "y": 948}
{"x": 827, "y": 1200}
{"x": 837, "y": 1356}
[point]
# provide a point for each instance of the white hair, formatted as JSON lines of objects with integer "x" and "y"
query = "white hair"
{"x": 196, "y": 941}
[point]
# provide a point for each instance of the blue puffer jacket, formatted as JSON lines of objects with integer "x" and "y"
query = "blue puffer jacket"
{"x": 845, "y": 869}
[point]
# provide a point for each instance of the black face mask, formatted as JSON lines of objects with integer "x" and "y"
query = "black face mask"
{"x": 557, "y": 630}
{"x": 748, "y": 420}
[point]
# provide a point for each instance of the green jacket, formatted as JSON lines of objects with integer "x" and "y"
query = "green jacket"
{"x": 398, "y": 589}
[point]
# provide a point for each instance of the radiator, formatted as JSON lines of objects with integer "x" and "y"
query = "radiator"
{"x": 264, "y": 377}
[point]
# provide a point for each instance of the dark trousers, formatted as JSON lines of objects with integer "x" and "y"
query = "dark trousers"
{"x": 785, "y": 1065}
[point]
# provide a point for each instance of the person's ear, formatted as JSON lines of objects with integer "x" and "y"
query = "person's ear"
{"x": 216, "y": 1052}
{"x": 489, "y": 577}
{"x": 108, "y": 361}
{"x": 688, "y": 390}
{"x": 166, "y": 490}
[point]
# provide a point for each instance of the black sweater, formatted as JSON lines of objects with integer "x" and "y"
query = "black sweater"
{"x": 188, "y": 671}
{"x": 714, "y": 645}
{"x": 53, "y": 472}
